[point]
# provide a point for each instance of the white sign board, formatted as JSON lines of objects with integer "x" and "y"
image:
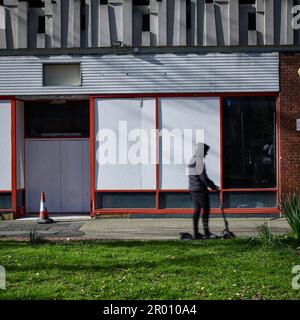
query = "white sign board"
{"x": 297, "y": 124}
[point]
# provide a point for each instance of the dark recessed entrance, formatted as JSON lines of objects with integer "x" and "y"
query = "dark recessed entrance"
{"x": 57, "y": 155}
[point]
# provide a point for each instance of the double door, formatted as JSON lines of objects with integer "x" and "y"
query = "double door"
{"x": 60, "y": 168}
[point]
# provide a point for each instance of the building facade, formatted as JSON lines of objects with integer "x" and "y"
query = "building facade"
{"x": 102, "y": 103}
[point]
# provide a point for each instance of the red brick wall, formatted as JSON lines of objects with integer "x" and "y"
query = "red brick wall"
{"x": 289, "y": 112}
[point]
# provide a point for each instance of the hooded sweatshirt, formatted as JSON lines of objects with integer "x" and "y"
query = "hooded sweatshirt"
{"x": 198, "y": 179}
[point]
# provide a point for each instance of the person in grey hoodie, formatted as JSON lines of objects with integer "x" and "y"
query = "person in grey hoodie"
{"x": 198, "y": 186}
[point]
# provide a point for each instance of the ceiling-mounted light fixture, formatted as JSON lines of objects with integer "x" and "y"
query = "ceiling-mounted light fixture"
{"x": 58, "y": 101}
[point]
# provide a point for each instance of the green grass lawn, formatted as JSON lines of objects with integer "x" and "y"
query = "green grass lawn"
{"x": 232, "y": 269}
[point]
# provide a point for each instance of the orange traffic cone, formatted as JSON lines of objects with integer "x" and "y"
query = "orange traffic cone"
{"x": 44, "y": 217}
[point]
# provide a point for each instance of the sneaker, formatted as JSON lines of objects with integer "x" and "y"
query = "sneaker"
{"x": 185, "y": 236}
{"x": 198, "y": 236}
{"x": 210, "y": 236}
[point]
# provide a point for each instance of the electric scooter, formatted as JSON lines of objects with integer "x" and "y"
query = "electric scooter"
{"x": 226, "y": 233}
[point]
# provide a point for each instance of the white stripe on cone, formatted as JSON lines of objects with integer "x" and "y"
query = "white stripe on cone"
{"x": 43, "y": 208}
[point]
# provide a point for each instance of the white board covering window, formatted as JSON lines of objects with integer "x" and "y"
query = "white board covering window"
{"x": 5, "y": 145}
{"x": 124, "y": 146}
{"x": 187, "y": 118}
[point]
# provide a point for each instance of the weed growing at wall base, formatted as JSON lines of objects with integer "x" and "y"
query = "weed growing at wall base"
{"x": 290, "y": 207}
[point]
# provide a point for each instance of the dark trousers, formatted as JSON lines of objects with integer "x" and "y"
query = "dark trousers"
{"x": 200, "y": 200}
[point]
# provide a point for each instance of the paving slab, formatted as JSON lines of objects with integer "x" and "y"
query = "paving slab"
{"x": 23, "y": 228}
{"x": 133, "y": 229}
{"x": 169, "y": 229}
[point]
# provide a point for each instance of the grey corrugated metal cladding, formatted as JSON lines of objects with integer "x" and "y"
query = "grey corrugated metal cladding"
{"x": 214, "y": 72}
{"x": 95, "y": 23}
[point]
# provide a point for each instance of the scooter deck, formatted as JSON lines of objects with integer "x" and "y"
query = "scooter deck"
{"x": 187, "y": 236}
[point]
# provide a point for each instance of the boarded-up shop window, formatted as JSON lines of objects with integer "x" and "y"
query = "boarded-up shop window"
{"x": 113, "y": 118}
{"x": 61, "y": 74}
{"x": 183, "y": 123}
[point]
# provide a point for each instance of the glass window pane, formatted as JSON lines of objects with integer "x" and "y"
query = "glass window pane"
{"x": 184, "y": 200}
{"x": 250, "y": 200}
{"x": 69, "y": 119}
{"x": 62, "y": 74}
{"x": 5, "y": 201}
{"x": 249, "y": 142}
{"x": 124, "y": 200}
{"x": 184, "y": 122}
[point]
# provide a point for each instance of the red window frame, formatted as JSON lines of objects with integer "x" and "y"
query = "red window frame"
{"x": 19, "y": 211}
{"x": 157, "y": 191}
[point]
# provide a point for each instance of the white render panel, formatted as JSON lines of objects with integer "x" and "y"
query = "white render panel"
{"x": 146, "y": 73}
{"x": 188, "y": 113}
{"x": 5, "y": 145}
{"x": 20, "y": 148}
{"x": 125, "y": 174}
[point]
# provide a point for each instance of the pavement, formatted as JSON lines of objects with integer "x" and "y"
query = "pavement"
{"x": 84, "y": 228}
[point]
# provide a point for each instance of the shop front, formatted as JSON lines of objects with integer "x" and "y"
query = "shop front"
{"x": 113, "y": 134}
{"x": 241, "y": 130}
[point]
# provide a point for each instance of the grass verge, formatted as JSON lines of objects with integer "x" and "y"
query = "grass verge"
{"x": 232, "y": 269}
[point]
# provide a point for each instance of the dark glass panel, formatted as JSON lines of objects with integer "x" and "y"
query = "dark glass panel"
{"x": 249, "y": 142}
{"x": 245, "y": 200}
{"x": 5, "y": 201}
{"x": 124, "y": 200}
{"x": 184, "y": 200}
{"x": 69, "y": 119}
